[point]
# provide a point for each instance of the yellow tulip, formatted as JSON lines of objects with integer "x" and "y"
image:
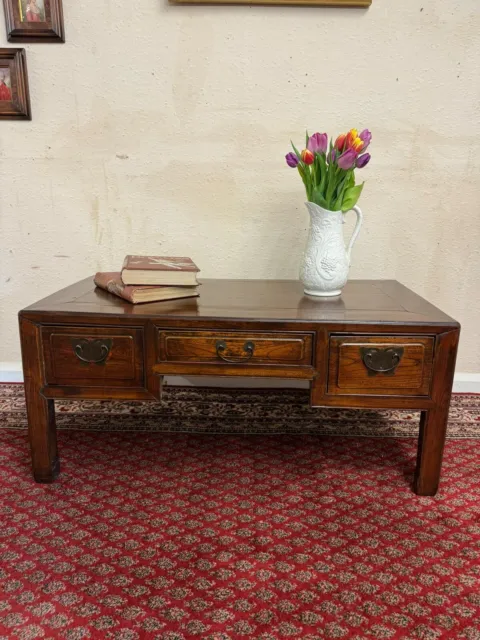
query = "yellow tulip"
{"x": 357, "y": 144}
{"x": 351, "y": 136}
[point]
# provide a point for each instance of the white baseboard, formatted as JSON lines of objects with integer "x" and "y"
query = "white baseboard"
{"x": 466, "y": 383}
{"x": 11, "y": 372}
{"x": 463, "y": 382}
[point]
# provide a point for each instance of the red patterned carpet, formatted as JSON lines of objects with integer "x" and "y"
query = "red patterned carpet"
{"x": 186, "y": 409}
{"x": 263, "y": 537}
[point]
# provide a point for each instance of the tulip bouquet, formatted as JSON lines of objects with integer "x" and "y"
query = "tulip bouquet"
{"x": 329, "y": 177}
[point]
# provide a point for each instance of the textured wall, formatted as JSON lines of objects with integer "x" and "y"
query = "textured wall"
{"x": 162, "y": 129}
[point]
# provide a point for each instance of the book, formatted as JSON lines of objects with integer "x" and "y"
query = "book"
{"x": 159, "y": 270}
{"x": 111, "y": 281}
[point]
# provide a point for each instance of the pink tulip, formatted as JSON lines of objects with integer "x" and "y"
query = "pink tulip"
{"x": 347, "y": 160}
{"x": 318, "y": 143}
{"x": 366, "y": 137}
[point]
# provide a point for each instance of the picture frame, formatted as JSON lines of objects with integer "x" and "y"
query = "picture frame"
{"x": 305, "y": 3}
{"x": 14, "y": 93}
{"x": 34, "y": 20}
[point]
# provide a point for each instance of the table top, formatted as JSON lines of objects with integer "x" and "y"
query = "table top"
{"x": 362, "y": 301}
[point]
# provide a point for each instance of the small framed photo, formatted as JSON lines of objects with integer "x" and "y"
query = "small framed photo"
{"x": 14, "y": 95}
{"x": 34, "y": 20}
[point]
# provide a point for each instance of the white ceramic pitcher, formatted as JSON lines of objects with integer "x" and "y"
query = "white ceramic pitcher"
{"x": 326, "y": 261}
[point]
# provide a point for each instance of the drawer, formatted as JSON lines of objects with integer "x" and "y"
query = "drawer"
{"x": 235, "y": 347}
{"x": 93, "y": 356}
{"x": 380, "y": 365}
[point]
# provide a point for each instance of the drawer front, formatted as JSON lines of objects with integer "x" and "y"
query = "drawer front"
{"x": 235, "y": 347}
{"x": 380, "y": 365}
{"x": 93, "y": 356}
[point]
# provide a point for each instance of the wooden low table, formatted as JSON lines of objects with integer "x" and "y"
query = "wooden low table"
{"x": 379, "y": 345}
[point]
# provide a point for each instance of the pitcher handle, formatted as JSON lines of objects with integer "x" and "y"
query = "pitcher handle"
{"x": 356, "y": 231}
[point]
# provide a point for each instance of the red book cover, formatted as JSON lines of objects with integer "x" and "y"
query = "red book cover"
{"x": 159, "y": 263}
{"x": 111, "y": 281}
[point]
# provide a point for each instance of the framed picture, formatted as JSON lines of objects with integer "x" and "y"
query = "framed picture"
{"x": 14, "y": 96}
{"x": 305, "y": 3}
{"x": 34, "y": 20}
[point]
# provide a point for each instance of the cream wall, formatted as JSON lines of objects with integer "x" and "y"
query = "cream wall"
{"x": 162, "y": 129}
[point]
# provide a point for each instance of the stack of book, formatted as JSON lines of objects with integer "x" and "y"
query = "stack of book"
{"x": 151, "y": 279}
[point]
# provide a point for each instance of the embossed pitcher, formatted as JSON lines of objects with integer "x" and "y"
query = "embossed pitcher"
{"x": 326, "y": 261}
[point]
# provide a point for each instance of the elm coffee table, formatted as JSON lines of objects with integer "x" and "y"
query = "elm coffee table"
{"x": 378, "y": 345}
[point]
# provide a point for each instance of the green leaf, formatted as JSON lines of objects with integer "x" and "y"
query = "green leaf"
{"x": 334, "y": 177}
{"x": 345, "y": 183}
{"x": 320, "y": 168}
{"x": 337, "y": 205}
{"x": 301, "y": 171}
{"x": 317, "y": 170}
{"x": 306, "y": 139}
{"x": 338, "y": 194}
{"x": 351, "y": 197}
{"x": 325, "y": 170}
{"x": 297, "y": 153}
{"x": 318, "y": 198}
{"x": 322, "y": 160}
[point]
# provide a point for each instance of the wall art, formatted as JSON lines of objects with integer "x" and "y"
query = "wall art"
{"x": 34, "y": 20}
{"x": 14, "y": 95}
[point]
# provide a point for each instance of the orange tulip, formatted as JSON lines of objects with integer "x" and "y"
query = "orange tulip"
{"x": 357, "y": 145}
{"x": 351, "y": 136}
{"x": 340, "y": 141}
{"x": 307, "y": 156}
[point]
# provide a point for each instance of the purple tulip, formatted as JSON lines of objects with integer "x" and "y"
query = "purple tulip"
{"x": 332, "y": 156}
{"x": 366, "y": 136}
{"x": 291, "y": 159}
{"x": 347, "y": 159}
{"x": 318, "y": 143}
{"x": 363, "y": 160}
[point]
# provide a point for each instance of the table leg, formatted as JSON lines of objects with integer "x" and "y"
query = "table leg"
{"x": 431, "y": 440}
{"x": 42, "y": 432}
{"x": 433, "y": 422}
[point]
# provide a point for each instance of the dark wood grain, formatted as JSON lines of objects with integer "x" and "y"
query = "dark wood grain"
{"x": 40, "y": 411}
{"x": 362, "y": 302}
{"x": 433, "y": 423}
{"x": 245, "y": 370}
{"x": 154, "y": 380}
{"x": 348, "y": 373}
{"x": 123, "y": 365}
{"x": 86, "y": 392}
{"x": 268, "y": 348}
{"x": 294, "y": 336}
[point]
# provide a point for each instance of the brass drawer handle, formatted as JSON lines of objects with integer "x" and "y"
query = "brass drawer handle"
{"x": 381, "y": 360}
{"x": 248, "y": 347}
{"x": 91, "y": 351}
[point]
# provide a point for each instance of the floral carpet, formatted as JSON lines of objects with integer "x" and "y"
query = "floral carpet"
{"x": 197, "y": 410}
{"x": 284, "y": 534}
